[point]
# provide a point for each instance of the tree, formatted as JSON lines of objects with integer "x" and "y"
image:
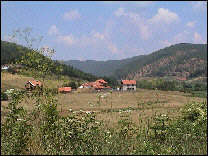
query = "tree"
{"x": 37, "y": 60}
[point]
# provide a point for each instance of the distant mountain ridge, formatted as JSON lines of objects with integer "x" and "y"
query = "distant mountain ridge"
{"x": 100, "y": 68}
{"x": 184, "y": 60}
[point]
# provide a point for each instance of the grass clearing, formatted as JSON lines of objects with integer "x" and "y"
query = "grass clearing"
{"x": 142, "y": 104}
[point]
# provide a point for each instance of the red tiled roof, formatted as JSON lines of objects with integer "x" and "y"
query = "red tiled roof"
{"x": 66, "y": 89}
{"x": 98, "y": 84}
{"x": 128, "y": 81}
{"x": 35, "y": 82}
{"x": 181, "y": 78}
{"x": 101, "y": 81}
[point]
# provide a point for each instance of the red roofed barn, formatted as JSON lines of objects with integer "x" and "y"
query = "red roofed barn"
{"x": 128, "y": 85}
{"x": 65, "y": 89}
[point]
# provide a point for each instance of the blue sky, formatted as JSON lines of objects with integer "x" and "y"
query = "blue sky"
{"x": 106, "y": 30}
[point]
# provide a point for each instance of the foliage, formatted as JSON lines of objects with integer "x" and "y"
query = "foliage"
{"x": 198, "y": 89}
{"x": 44, "y": 131}
{"x": 174, "y": 60}
{"x": 11, "y": 52}
{"x": 16, "y": 129}
{"x": 4, "y": 96}
{"x": 71, "y": 84}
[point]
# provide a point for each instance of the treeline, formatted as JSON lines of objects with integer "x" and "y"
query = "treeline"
{"x": 173, "y": 85}
{"x": 10, "y": 52}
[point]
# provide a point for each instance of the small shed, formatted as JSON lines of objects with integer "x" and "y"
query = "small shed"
{"x": 65, "y": 89}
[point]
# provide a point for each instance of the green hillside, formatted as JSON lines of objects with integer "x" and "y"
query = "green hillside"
{"x": 10, "y": 52}
{"x": 181, "y": 60}
{"x": 100, "y": 68}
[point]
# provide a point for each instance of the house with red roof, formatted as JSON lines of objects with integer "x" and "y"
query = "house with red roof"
{"x": 65, "y": 89}
{"x": 97, "y": 85}
{"x": 128, "y": 85}
{"x": 32, "y": 84}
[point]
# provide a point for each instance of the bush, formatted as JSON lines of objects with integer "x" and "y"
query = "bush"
{"x": 44, "y": 131}
{"x": 4, "y": 96}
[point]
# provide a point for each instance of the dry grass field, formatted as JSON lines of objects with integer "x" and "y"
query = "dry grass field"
{"x": 9, "y": 81}
{"x": 109, "y": 107}
{"x": 117, "y": 110}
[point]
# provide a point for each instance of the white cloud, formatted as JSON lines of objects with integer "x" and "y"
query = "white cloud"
{"x": 72, "y": 15}
{"x": 198, "y": 38}
{"x": 112, "y": 47}
{"x": 164, "y": 16}
{"x": 66, "y": 39}
{"x": 119, "y": 12}
{"x": 165, "y": 43}
{"x": 144, "y": 31}
{"x": 136, "y": 19}
{"x": 200, "y": 5}
{"x": 99, "y": 35}
{"x": 53, "y": 30}
{"x": 191, "y": 24}
{"x": 94, "y": 39}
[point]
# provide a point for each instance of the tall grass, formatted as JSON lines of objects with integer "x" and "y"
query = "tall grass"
{"x": 44, "y": 131}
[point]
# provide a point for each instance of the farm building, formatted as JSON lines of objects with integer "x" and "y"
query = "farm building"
{"x": 128, "y": 85}
{"x": 97, "y": 85}
{"x": 65, "y": 89}
{"x": 30, "y": 85}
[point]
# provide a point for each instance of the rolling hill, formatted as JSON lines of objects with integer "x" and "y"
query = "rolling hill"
{"x": 184, "y": 60}
{"x": 10, "y": 52}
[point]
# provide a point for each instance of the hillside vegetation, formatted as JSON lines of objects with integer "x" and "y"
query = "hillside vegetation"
{"x": 181, "y": 60}
{"x": 11, "y": 52}
{"x": 43, "y": 121}
{"x": 100, "y": 68}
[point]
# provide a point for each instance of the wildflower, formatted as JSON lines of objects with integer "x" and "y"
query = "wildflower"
{"x": 88, "y": 112}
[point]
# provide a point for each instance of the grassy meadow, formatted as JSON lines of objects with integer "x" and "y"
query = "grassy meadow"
{"x": 108, "y": 106}
{"x": 83, "y": 122}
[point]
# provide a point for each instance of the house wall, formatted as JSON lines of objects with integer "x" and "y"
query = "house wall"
{"x": 130, "y": 87}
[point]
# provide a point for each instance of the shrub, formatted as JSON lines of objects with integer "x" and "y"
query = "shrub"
{"x": 4, "y": 96}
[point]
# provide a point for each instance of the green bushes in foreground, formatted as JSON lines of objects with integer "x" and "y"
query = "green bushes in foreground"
{"x": 44, "y": 131}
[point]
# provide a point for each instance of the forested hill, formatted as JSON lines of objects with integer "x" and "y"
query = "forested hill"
{"x": 10, "y": 52}
{"x": 100, "y": 68}
{"x": 180, "y": 60}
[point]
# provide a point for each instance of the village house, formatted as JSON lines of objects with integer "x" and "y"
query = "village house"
{"x": 32, "y": 84}
{"x": 128, "y": 85}
{"x": 97, "y": 85}
{"x": 64, "y": 89}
